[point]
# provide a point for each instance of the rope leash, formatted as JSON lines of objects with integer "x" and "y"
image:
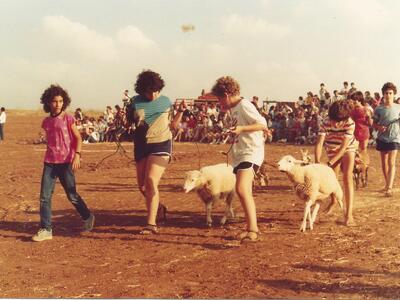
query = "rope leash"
{"x": 120, "y": 149}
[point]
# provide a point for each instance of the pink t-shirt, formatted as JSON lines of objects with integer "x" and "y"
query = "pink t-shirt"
{"x": 61, "y": 143}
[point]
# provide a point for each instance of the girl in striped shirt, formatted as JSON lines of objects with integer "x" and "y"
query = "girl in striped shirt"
{"x": 337, "y": 136}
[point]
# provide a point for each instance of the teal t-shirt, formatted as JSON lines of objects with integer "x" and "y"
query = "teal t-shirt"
{"x": 388, "y": 116}
{"x": 152, "y": 118}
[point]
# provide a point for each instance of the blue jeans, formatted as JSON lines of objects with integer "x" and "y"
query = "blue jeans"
{"x": 67, "y": 179}
{"x": 1, "y": 131}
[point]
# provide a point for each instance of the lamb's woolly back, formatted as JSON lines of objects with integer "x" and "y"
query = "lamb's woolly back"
{"x": 321, "y": 176}
{"x": 220, "y": 178}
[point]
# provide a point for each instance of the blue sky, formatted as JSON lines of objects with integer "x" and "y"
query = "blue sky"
{"x": 278, "y": 49}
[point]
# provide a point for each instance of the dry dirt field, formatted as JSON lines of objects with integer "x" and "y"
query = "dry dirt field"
{"x": 186, "y": 260}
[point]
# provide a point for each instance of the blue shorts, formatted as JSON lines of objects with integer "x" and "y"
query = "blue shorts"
{"x": 246, "y": 165}
{"x": 383, "y": 146}
{"x": 143, "y": 150}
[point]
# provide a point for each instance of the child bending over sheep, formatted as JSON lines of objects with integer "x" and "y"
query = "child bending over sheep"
{"x": 248, "y": 152}
{"x": 337, "y": 135}
{"x": 213, "y": 183}
{"x": 312, "y": 183}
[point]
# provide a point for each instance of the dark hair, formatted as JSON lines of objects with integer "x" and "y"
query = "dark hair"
{"x": 358, "y": 96}
{"x": 226, "y": 85}
{"x": 340, "y": 110}
{"x": 51, "y": 92}
{"x": 148, "y": 81}
{"x": 389, "y": 86}
{"x": 2, "y": 109}
{"x": 345, "y": 83}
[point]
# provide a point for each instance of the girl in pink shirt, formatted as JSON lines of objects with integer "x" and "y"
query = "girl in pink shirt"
{"x": 62, "y": 158}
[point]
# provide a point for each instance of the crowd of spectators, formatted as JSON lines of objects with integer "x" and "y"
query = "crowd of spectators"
{"x": 290, "y": 122}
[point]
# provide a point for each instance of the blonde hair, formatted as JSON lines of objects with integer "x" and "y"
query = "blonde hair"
{"x": 226, "y": 85}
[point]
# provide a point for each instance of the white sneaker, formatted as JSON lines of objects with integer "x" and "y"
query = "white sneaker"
{"x": 43, "y": 235}
{"x": 89, "y": 223}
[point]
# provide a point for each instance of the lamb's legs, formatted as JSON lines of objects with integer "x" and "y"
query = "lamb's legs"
{"x": 228, "y": 209}
{"x": 309, "y": 217}
{"x": 314, "y": 214}
{"x": 209, "y": 206}
{"x": 306, "y": 213}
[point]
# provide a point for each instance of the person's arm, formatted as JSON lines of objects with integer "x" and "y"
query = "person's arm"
{"x": 318, "y": 148}
{"x": 249, "y": 128}
{"x": 342, "y": 150}
{"x": 76, "y": 162}
{"x": 376, "y": 125}
{"x": 178, "y": 116}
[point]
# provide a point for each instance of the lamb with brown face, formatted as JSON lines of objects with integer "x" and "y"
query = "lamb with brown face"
{"x": 211, "y": 184}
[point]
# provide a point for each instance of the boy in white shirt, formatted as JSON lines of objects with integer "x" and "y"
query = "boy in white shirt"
{"x": 248, "y": 150}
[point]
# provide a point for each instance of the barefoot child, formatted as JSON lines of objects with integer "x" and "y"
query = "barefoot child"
{"x": 62, "y": 158}
{"x": 248, "y": 151}
{"x": 337, "y": 135}
{"x": 386, "y": 121}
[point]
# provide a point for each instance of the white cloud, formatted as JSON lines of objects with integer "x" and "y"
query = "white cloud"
{"x": 252, "y": 26}
{"x": 370, "y": 13}
{"x": 265, "y": 3}
{"x": 133, "y": 37}
{"x": 78, "y": 38}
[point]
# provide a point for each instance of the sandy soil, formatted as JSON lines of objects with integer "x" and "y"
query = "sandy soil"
{"x": 186, "y": 260}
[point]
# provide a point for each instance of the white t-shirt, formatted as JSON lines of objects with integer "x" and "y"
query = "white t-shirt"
{"x": 250, "y": 145}
{"x": 3, "y": 117}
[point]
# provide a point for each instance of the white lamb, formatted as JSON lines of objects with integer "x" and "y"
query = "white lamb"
{"x": 312, "y": 183}
{"x": 213, "y": 183}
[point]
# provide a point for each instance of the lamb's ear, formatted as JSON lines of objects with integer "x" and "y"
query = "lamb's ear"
{"x": 302, "y": 151}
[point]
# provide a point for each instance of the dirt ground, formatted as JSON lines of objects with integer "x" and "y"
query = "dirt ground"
{"x": 186, "y": 260}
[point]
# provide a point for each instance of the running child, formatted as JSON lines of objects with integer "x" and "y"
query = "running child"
{"x": 387, "y": 122}
{"x": 248, "y": 152}
{"x": 62, "y": 158}
{"x": 337, "y": 135}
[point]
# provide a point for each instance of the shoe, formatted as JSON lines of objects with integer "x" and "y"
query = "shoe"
{"x": 149, "y": 229}
{"x": 251, "y": 237}
{"x": 389, "y": 193}
{"x": 88, "y": 223}
{"x": 43, "y": 235}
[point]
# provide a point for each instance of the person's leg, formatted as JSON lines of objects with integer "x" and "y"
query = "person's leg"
{"x": 244, "y": 182}
{"x": 46, "y": 191}
{"x": 155, "y": 167}
{"x": 1, "y": 132}
{"x": 385, "y": 167}
{"x": 363, "y": 149}
{"x": 67, "y": 180}
{"x": 391, "y": 171}
{"x": 348, "y": 166}
{"x": 140, "y": 175}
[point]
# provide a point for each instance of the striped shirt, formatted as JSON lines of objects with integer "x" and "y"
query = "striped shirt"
{"x": 335, "y": 133}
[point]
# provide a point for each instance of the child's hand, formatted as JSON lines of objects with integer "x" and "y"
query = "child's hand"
{"x": 381, "y": 128}
{"x": 268, "y": 132}
{"x": 182, "y": 106}
{"x": 235, "y": 130}
{"x": 76, "y": 162}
